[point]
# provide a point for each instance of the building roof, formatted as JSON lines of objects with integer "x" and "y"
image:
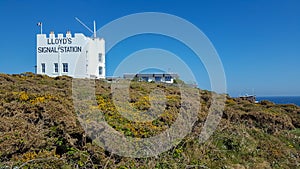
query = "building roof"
{"x": 131, "y": 75}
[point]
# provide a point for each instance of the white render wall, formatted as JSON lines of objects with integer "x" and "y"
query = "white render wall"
{"x": 163, "y": 79}
{"x": 94, "y": 48}
{"x": 81, "y": 53}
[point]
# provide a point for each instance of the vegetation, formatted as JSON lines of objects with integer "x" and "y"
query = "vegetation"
{"x": 39, "y": 128}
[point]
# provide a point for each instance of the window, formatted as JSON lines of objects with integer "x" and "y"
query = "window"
{"x": 65, "y": 67}
{"x": 100, "y": 70}
{"x": 168, "y": 78}
{"x": 43, "y": 68}
{"x": 145, "y": 79}
{"x": 100, "y": 57}
{"x": 157, "y": 79}
{"x": 55, "y": 67}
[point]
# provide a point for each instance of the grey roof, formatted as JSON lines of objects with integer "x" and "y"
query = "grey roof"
{"x": 131, "y": 75}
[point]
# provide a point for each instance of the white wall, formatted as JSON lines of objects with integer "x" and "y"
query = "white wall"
{"x": 94, "y": 48}
{"x": 80, "y": 52}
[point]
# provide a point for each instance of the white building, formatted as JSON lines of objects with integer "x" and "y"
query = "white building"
{"x": 153, "y": 77}
{"x": 76, "y": 56}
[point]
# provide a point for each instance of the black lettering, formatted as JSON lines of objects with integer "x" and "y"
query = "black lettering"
{"x": 50, "y": 41}
{"x": 59, "y": 41}
{"x": 69, "y": 40}
{"x": 60, "y": 49}
{"x": 56, "y": 49}
{"x": 39, "y": 50}
{"x": 45, "y": 49}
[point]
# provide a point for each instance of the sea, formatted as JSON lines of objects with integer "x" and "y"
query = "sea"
{"x": 281, "y": 99}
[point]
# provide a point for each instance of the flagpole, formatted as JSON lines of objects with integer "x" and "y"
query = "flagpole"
{"x": 41, "y": 28}
{"x": 40, "y": 24}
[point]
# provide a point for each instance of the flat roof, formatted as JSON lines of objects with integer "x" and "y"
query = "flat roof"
{"x": 131, "y": 75}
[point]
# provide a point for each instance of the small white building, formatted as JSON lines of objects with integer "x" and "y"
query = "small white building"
{"x": 153, "y": 77}
{"x": 76, "y": 56}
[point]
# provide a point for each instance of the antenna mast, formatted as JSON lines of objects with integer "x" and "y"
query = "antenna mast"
{"x": 87, "y": 26}
{"x": 95, "y": 35}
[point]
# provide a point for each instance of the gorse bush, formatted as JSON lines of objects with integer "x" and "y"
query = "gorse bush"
{"x": 39, "y": 127}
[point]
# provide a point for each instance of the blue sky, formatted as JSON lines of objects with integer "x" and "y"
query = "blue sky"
{"x": 258, "y": 41}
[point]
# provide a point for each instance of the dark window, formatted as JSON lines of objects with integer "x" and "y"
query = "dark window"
{"x": 55, "y": 67}
{"x": 168, "y": 78}
{"x": 157, "y": 79}
{"x": 43, "y": 68}
{"x": 65, "y": 67}
{"x": 145, "y": 79}
{"x": 100, "y": 70}
{"x": 100, "y": 57}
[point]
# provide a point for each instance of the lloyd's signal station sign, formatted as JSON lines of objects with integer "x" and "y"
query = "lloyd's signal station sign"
{"x": 59, "y": 45}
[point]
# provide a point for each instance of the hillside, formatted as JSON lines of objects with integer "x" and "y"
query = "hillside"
{"x": 39, "y": 128}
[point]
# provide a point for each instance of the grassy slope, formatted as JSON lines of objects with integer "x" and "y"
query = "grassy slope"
{"x": 40, "y": 129}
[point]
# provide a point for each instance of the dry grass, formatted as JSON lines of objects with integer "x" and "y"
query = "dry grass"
{"x": 40, "y": 129}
